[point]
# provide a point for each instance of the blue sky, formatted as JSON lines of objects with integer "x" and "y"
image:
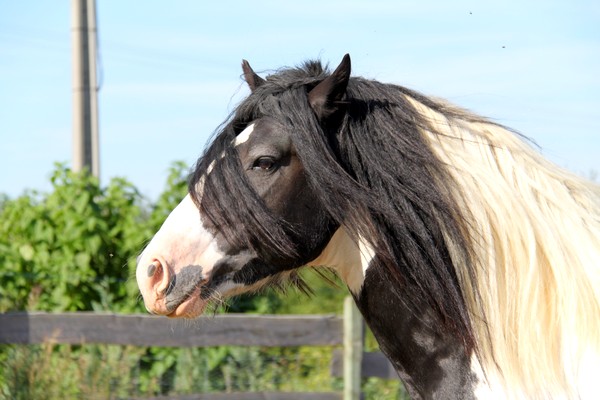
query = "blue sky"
{"x": 170, "y": 72}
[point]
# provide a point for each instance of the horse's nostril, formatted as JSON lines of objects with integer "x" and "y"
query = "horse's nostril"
{"x": 152, "y": 268}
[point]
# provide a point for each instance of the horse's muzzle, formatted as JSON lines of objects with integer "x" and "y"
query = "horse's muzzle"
{"x": 164, "y": 291}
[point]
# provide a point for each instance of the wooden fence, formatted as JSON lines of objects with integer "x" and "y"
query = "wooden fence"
{"x": 227, "y": 329}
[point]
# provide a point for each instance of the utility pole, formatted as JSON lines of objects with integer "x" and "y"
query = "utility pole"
{"x": 85, "y": 88}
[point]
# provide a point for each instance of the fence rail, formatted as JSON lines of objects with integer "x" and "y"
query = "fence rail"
{"x": 147, "y": 330}
{"x": 219, "y": 330}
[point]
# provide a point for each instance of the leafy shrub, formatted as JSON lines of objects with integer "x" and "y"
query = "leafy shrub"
{"x": 71, "y": 249}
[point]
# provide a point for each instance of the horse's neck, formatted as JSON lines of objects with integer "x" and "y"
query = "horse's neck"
{"x": 432, "y": 363}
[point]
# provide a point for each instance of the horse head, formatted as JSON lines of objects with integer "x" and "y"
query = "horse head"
{"x": 251, "y": 217}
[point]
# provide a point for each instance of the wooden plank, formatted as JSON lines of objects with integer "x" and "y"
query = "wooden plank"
{"x": 374, "y": 364}
{"x": 254, "y": 396}
{"x": 146, "y": 330}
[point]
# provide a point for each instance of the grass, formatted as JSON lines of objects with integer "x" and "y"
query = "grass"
{"x": 51, "y": 371}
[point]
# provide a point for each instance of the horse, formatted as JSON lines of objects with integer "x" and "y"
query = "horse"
{"x": 473, "y": 260}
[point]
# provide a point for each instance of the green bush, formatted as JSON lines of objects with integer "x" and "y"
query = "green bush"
{"x": 74, "y": 248}
{"x": 71, "y": 249}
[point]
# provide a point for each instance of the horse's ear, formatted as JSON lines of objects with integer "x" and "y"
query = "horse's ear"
{"x": 326, "y": 98}
{"x": 252, "y": 79}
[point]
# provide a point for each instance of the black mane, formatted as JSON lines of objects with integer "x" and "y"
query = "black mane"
{"x": 376, "y": 175}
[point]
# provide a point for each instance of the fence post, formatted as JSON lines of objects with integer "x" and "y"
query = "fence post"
{"x": 353, "y": 349}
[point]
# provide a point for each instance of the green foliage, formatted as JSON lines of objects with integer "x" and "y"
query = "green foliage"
{"x": 75, "y": 247}
{"x": 69, "y": 250}
{"x": 109, "y": 371}
{"x": 64, "y": 372}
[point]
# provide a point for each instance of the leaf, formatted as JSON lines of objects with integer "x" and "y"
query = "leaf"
{"x": 82, "y": 202}
{"x": 82, "y": 260}
{"x": 27, "y": 252}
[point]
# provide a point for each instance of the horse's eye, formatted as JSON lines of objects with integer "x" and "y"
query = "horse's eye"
{"x": 264, "y": 164}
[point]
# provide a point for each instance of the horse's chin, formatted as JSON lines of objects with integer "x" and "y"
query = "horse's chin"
{"x": 190, "y": 308}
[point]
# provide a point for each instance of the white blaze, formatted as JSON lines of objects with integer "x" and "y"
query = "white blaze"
{"x": 239, "y": 139}
{"x": 244, "y": 135}
{"x": 181, "y": 241}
